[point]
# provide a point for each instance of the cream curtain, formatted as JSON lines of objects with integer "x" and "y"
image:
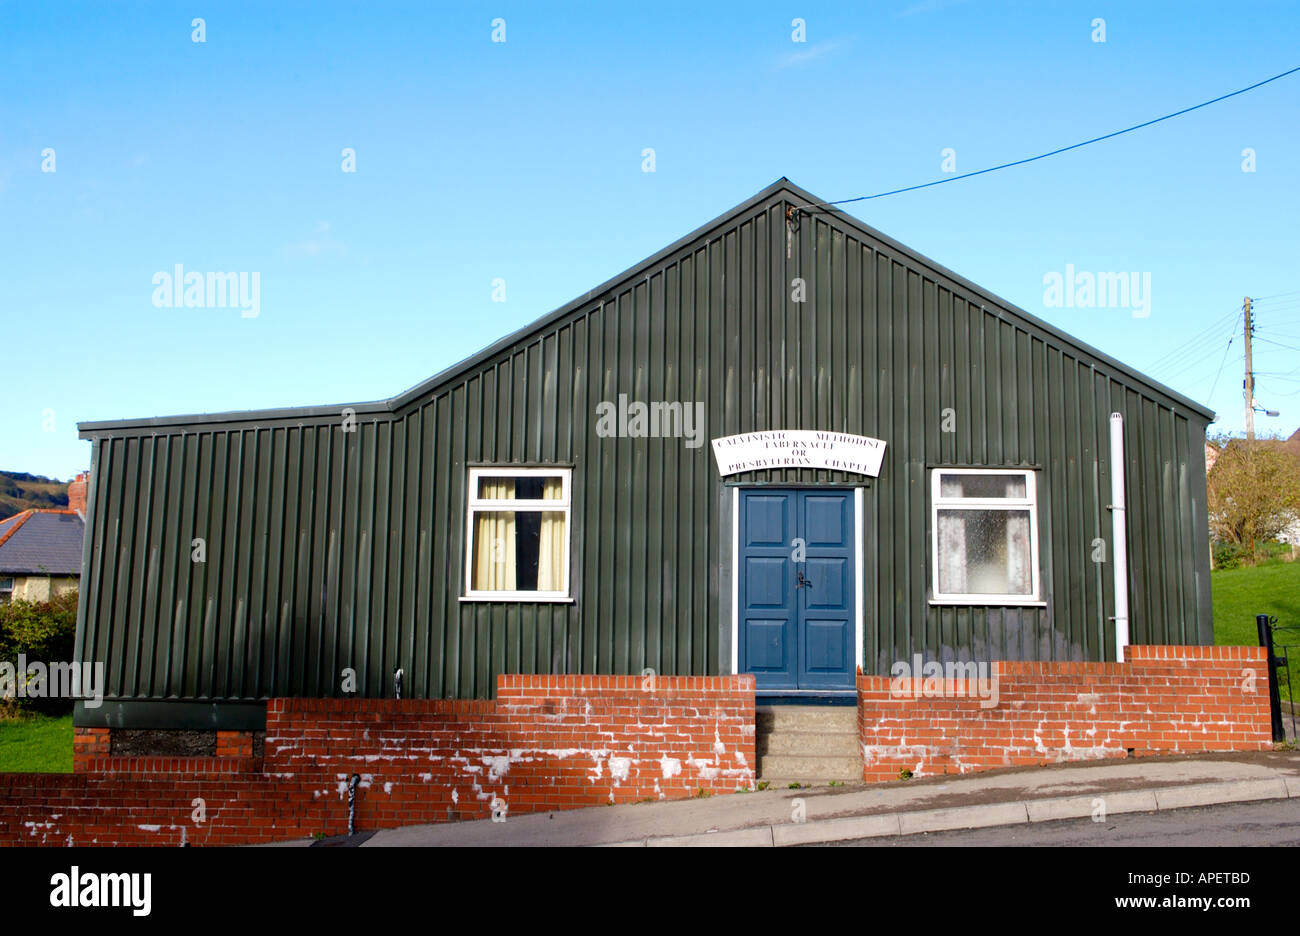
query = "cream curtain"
{"x": 494, "y": 540}
{"x": 550, "y": 556}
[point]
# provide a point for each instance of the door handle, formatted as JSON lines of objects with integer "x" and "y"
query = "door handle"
{"x": 801, "y": 582}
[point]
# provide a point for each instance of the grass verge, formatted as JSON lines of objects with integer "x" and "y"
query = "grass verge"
{"x": 1270, "y": 588}
{"x": 36, "y": 744}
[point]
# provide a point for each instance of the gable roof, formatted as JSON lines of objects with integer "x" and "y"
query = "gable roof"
{"x": 782, "y": 188}
{"x": 42, "y": 542}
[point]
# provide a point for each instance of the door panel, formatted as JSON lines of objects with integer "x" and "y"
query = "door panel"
{"x": 827, "y": 606}
{"x": 766, "y": 583}
{"x": 797, "y": 619}
{"x": 826, "y": 523}
{"x": 768, "y": 612}
{"x": 768, "y": 520}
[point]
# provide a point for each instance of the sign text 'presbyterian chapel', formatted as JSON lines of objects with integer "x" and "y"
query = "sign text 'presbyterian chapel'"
{"x": 798, "y": 448}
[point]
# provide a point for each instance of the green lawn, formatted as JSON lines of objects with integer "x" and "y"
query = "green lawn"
{"x": 1240, "y": 594}
{"x": 38, "y": 744}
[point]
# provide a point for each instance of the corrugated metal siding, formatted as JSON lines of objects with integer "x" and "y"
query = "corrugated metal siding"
{"x": 328, "y": 549}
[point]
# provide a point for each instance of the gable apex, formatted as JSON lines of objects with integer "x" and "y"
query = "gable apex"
{"x": 780, "y": 190}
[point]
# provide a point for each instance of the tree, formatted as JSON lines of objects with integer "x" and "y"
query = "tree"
{"x": 1253, "y": 491}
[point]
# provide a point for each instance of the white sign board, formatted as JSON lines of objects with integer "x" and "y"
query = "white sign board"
{"x": 798, "y": 448}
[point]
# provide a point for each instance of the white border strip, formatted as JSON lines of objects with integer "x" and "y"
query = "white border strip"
{"x": 860, "y": 532}
{"x": 735, "y": 581}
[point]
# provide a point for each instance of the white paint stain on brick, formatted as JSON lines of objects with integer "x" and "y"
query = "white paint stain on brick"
{"x": 706, "y": 770}
{"x": 670, "y": 767}
{"x": 619, "y": 768}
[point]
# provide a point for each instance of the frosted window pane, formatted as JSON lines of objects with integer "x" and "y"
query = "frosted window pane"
{"x": 982, "y": 485}
{"x": 984, "y": 552}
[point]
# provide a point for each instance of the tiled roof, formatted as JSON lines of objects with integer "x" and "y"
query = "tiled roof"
{"x": 9, "y": 524}
{"x": 42, "y": 542}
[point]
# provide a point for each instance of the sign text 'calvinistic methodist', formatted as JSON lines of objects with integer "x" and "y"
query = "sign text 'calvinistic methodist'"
{"x": 798, "y": 448}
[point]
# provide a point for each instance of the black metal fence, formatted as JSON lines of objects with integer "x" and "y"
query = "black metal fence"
{"x": 1268, "y": 638}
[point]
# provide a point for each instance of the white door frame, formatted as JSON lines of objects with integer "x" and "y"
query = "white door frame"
{"x": 859, "y": 551}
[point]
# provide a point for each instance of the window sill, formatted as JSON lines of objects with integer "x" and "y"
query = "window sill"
{"x": 991, "y": 601}
{"x": 519, "y": 598}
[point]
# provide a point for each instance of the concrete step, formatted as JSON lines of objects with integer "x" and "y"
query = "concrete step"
{"x": 807, "y": 718}
{"x": 776, "y": 768}
{"x": 783, "y": 783}
{"x": 809, "y": 743}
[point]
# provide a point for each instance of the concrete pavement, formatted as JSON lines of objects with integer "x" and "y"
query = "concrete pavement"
{"x": 857, "y": 811}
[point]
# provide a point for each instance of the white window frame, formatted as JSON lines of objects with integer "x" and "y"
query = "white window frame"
{"x": 939, "y": 502}
{"x": 476, "y": 504}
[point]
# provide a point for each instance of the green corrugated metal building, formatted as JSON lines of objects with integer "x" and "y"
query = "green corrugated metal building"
{"x": 554, "y": 504}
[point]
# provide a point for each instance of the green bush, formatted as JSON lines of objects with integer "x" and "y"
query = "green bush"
{"x": 1234, "y": 556}
{"x": 43, "y": 631}
{"x": 1228, "y": 555}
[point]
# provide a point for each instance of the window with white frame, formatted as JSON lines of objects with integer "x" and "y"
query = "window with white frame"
{"x": 518, "y": 534}
{"x": 984, "y": 526}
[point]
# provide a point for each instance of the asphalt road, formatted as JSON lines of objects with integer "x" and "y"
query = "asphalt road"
{"x": 1272, "y": 822}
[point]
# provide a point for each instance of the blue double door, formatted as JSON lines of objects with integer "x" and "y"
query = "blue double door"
{"x": 797, "y": 589}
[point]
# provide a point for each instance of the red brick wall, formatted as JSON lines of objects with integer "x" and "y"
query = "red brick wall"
{"x": 1163, "y": 700}
{"x": 546, "y": 742}
{"x": 234, "y": 744}
{"x": 89, "y": 743}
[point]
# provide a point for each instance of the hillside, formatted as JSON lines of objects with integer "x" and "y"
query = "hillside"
{"x": 19, "y": 491}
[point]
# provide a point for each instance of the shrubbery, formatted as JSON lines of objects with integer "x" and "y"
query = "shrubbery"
{"x": 1235, "y": 555}
{"x": 43, "y": 631}
{"x": 1227, "y": 555}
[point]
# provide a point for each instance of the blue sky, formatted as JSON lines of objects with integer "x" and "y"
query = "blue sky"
{"x": 522, "y": 161}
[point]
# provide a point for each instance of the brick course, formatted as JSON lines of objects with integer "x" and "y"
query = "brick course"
{"x": 546, "y": 742}
{"x": 1164, "y": 700}
{"x": 558, "y": 742}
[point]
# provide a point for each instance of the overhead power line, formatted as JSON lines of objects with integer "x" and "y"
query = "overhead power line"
{"x": 1180, "y": 352}
{"x": 1278, "y": 343}
{"x": 1055, "y": 152}
{"x": 1232, "y": 336}
{"x": 1190, "y": 365}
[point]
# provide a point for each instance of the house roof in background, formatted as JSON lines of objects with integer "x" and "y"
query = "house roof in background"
{"x": 42, "y": 542}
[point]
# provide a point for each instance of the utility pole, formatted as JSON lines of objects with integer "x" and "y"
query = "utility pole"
{"x": 1249, "y": 383}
